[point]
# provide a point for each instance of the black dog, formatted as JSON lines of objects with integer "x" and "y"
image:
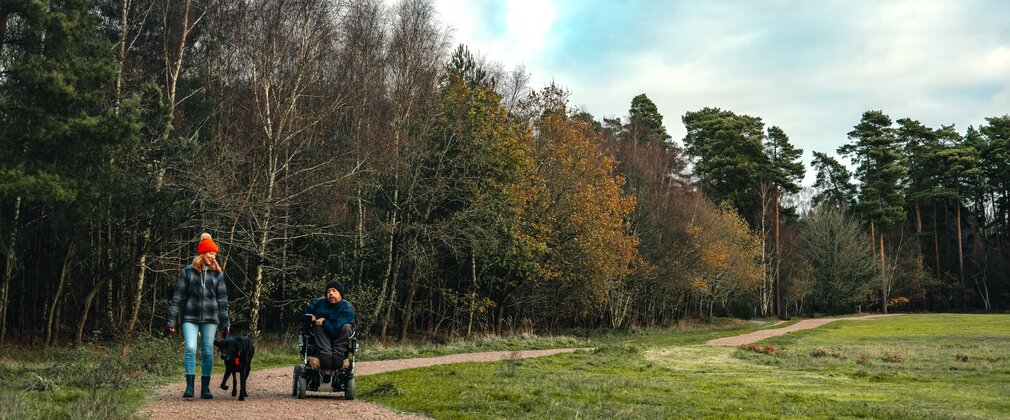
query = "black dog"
{"x": 237, "y": 353}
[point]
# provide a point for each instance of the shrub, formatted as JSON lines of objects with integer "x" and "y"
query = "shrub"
{"x": 769, "y": 350}
{"x": 892, "y": 358}
{"x": 386, "y": 388}
{"x": 741, "y": 309}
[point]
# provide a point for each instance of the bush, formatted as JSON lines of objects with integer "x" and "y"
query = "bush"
{"x": 741, "y": 309}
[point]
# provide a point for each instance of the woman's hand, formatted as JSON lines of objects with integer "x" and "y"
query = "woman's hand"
{"x": 319, "y": 321}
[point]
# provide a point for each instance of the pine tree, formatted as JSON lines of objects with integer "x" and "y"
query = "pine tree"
{"x": 874, "y": 149}
{"x": 645, "y": 113}
{"x": 878, "y": 159}
{"x": 784, "y": 173}
{"x": 729, "y": 157}
{"x": 833, "y": 184}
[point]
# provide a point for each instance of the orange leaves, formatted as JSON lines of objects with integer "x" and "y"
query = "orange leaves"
{"x": 583, "y": 208}
{"x": 727, "y": 252}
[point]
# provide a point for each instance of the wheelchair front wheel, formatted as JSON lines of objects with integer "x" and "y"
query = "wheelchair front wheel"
{"x": 298, "y": 373}
{"x": 349, "y": 389}
{"x": 303, "y": 383}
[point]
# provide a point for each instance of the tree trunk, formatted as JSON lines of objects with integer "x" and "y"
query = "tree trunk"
{"x": 473, "y": 294}
{"x": 407, "y": 306}
{"x": 778, "y": 260}
{"x": 359, "y": 245}
{"x": 154, "y": 306}
{"x": 64, "y": 271}
{"x": 960, "y": 247}
{"x": 936, "y": 244}
{"x": 144, "y": 251}
{"x": 883, "y": 276}
{"x": 766, "y": 284}
{"x": 124, "y": 15}
{"x": 388, "y": 318}
{"x": 254, "y": 303}
{"x": 918, "y": 218}
{"x": 231, "y": 238}
{"x": 139, "y": 292}
{"x": 873, "y": 239}
{"x": 83, "y": 319}
{"x": 109, "y": 292}
{"x": 388, "y": 278}
{"x": 9, "y": 266}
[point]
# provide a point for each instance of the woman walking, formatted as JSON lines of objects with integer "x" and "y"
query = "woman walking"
{"x": 203, "y": 297}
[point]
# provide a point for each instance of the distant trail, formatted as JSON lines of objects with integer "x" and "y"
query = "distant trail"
{"x": 805, "y": 324}
{"x": 270, "y": 393}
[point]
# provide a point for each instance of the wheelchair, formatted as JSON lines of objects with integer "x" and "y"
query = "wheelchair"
{"x": 306, "y": 378}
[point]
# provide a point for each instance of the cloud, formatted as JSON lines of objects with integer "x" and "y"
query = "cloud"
{"x": 811, "y": 68}
{"x": 514, "y": 32}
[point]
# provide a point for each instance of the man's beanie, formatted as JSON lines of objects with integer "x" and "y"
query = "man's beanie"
{"x": 206, "y": 244}
{"x": 333, "y": 284}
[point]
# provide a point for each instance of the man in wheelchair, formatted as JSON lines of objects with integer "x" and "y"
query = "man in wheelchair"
{"x": 332, "y": 319}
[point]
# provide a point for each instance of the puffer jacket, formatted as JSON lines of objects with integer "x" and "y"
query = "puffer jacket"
{"x": 336, "y": 314}
{"x": 203, "y": 297}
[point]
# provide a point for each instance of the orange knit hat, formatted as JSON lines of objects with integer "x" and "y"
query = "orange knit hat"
{"x": 206, "y": 244}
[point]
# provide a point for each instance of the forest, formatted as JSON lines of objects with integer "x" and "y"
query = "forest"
{"x": 356, "y": 140}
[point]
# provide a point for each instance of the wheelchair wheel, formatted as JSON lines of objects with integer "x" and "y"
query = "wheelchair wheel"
{"x": 349, "y": 389}
{"x": 303, "y": 383}
{"x": 298, "y": 373}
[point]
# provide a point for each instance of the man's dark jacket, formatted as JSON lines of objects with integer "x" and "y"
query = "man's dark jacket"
{"x": 336, "y": 314}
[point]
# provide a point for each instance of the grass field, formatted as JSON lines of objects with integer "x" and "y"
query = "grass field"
{"x": 911, "y": 366}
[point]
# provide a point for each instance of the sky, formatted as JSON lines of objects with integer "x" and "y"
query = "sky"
{"x": 810, "y": 67}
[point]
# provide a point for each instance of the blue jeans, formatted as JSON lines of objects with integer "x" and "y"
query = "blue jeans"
{"x": 207, "y": 332}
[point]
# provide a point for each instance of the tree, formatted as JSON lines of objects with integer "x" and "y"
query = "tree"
{"x": 61, "y": 130}
{"x": 919, "y": 142}
{"x": 833, "y": 184}
{"x": 276, "y": 146}
{"x": 729, "y": 158}
{"x": 841, "y": 264}
{"x": 956, "y": 166}
{"x": 590, "y": 252}
{"x": 874, "y": 149}
{"x": 785, "y": 171}
{"x": 644, "y": 112}
{"x": 462, "y": 229}
{"x": 727, "y": 252}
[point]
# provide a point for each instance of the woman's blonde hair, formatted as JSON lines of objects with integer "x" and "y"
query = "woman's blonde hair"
{"x": 198, "y": 264}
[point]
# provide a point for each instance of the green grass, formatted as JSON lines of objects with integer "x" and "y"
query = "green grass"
{"x": 90, "y": 382}
{"x": 919, "y": 366}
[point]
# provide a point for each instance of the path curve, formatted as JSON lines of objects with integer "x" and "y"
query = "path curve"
{"x": 805, "y": 324}
{"x": 270, "y": 393}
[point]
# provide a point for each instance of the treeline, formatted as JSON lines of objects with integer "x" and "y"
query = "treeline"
{"x": 348, "y": 139}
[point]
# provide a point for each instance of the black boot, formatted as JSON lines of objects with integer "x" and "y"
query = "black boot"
{"x": 205, "y": 388}
{"x": 188, "y": 393}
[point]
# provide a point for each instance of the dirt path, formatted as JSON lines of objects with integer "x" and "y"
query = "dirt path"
{"x": 802, "y": 325}
{"x": 270, "y": 393}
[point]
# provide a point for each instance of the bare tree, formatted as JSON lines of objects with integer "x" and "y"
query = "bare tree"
{"x": 278, "y": 137}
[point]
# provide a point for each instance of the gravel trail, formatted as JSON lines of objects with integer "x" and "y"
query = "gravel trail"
{"x": 802, "y": 325}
